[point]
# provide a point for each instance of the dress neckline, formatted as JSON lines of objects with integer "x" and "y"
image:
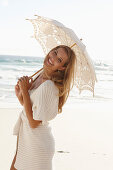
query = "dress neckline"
{"x": 38, "y": 86}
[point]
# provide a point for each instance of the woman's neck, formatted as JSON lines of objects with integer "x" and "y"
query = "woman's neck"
{"x": 46, "y": 74}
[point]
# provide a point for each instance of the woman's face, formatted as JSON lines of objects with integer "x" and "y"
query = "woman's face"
{"x": 56, "y": 59}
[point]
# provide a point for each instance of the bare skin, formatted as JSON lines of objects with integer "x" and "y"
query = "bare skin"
{"x": 12, "y": 165}
{"x": 54, "y": 61}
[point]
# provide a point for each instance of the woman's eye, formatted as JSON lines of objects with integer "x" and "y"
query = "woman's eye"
{"x": 55, "y": 52}
{"x": 59, "y": 60}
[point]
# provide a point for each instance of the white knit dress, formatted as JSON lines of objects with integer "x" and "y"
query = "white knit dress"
{"x": 36, "y": 146}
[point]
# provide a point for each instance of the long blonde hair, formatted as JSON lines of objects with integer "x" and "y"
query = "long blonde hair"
{"x": 64, "y": 79}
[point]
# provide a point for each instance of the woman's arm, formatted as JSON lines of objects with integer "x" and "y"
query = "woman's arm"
{"x": 24, "y": 86}
{"x": 28, "y": 109}
{"x": 19, "y": 94}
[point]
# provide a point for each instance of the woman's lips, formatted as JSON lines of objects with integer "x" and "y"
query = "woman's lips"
{"x": 49, "y": 61}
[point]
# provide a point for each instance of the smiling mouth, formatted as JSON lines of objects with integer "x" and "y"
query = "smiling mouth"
{"x": 49, "y": 61}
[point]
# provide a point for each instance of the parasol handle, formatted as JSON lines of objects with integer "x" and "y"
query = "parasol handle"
{"x": 36, "y": 73}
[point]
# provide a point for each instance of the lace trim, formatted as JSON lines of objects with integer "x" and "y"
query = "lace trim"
{"x": 50, "y": 33}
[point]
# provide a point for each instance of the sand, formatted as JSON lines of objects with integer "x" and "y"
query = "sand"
{"x": 83, "y": 135}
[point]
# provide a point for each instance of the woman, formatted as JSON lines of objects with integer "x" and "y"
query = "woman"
{"x": 42, "y": 100}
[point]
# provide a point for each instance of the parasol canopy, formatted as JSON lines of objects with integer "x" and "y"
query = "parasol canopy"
{"x": 51, "y": 33}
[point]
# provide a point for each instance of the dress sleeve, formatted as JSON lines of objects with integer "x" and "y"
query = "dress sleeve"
{"x": 45, "y": 105}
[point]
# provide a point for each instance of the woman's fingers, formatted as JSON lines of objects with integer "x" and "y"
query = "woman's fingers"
{"x": 27, "y": 79}
{"x": 24, "y": 83}
{"x": 20, "y": 79}
{"x": 17, "y": 86}
{"x": 24, "y": 78}
{"x": 31, "y": 80}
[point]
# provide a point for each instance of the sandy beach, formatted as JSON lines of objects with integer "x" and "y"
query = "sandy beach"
{"x": 83, "y": 135}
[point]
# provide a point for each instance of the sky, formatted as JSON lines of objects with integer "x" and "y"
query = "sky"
{"x": 91, "y": 20}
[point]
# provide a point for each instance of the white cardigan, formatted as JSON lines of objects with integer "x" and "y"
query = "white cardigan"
{"x": 36, "y": 146}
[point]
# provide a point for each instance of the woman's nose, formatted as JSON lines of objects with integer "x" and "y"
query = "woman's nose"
{"x": 52, "y": 56}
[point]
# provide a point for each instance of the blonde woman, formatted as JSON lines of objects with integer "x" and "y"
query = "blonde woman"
{"x": 42, "y": 100}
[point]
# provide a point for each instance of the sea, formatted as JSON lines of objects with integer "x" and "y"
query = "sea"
{"x": 13, "y": 67}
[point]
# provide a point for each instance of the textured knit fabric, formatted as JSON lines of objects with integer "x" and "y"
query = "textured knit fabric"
{"x": 36, "y": 146}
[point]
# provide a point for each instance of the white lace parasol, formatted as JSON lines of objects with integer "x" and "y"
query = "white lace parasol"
{"x": 51, "y": 33}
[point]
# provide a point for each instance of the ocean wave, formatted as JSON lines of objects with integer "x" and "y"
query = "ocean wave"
{"x": 7, "y": 89}
{"x": 7, "y": 59}
{"x": 13, "y": 67}
{"x": 17, "y": 69}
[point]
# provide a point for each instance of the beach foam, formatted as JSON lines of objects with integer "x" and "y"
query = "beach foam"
{"x": 13, "y": 67}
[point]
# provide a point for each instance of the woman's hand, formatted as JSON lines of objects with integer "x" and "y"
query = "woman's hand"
{"x": 17, "y": 90}
{"x": 24, "y": 84}
{"x": 21, "y": 87}
{"x": 18, "y": 93}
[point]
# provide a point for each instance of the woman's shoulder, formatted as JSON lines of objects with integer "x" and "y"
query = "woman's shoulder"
{"x": 47, "y": 88}
{"x": 51, "y": 85}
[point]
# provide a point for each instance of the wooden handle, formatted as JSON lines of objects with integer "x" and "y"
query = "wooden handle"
{"x": 36, "y": 73}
